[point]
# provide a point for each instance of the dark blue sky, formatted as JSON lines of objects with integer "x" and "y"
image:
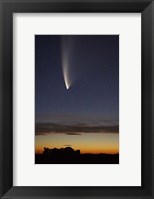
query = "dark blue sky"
{"x": 95, "y": 92}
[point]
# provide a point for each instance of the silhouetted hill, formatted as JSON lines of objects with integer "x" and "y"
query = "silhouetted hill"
{"x": 70, "y": 156}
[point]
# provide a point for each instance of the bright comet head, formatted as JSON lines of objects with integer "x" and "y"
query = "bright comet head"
{"x": 66, "y": 76}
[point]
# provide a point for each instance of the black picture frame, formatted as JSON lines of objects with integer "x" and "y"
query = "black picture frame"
{"x": 7, "y": 8}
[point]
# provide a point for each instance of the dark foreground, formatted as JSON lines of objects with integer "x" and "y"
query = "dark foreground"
{"x": 78, "y": 159}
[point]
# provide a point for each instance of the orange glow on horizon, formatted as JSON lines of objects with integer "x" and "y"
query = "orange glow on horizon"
{"x": 39, "y": 150}
{"x": 93, "y": 143}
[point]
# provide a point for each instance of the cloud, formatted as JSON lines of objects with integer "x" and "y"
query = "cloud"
{"x": 49, "y": 128}
{"x": 71, "y": 133}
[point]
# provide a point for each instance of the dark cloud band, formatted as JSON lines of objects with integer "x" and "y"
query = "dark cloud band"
{"x": 47, "y": 128}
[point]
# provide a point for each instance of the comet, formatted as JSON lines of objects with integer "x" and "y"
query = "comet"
{"x": 66, "y": 74}
{"x": 66, "y": 61}
{"x": 72, "y": 65}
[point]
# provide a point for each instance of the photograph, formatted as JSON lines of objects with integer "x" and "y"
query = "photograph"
{"x": 76, "y": 99}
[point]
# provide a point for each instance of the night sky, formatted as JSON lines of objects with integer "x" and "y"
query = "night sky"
{"x": 85, "y": 116}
